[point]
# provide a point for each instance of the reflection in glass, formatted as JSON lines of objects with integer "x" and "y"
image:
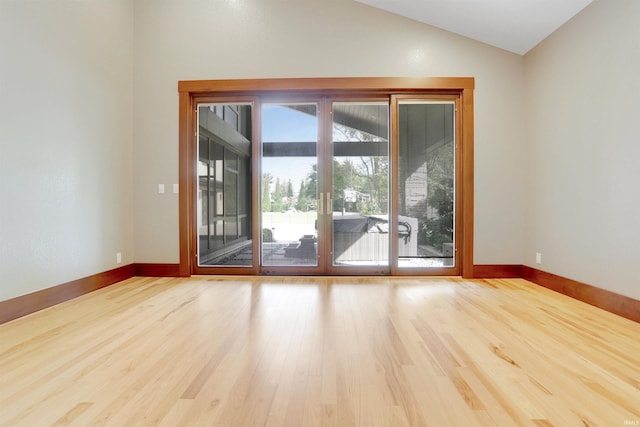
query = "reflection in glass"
{"x": 224, "y": 185}
{"x": 426, "y": 184}
{"x": 360, "y": 183}
{"x": 289, "y": 184}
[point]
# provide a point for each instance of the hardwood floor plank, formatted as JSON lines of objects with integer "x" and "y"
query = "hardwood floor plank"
{"x": 304, "y": 351}
{"x": 72, "y": 414}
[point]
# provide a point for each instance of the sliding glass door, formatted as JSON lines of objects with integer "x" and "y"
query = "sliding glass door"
{"x": 325, "y": 187}
{"x": 328, "y": 185}
{"x": 426, "y": 211}
{"x": 360, "y": 187}
{"x": 290, "y": 203}
{"x": 224, "y": 185}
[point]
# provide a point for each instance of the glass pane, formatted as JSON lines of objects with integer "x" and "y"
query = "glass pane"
{"x": 230, "y": 206}
{"x": 289, "y": 184}
{"x": 224, "y": 185}
{"x": 426, "y": 170}
{"x": 360, "y": 183}
{"x": 230, "y": 160}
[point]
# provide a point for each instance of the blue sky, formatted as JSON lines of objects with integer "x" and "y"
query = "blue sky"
{"x": 281, "y": 124}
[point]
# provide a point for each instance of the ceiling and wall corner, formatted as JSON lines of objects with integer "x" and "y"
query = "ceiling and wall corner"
{"x": 514, "y": 25}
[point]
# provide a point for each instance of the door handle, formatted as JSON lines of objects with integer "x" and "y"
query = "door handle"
{"x": 329, "y": 204}
{"x": 320, "y": 204}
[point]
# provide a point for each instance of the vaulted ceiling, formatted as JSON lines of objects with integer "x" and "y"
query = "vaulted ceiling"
{"x": 514, "y": 25}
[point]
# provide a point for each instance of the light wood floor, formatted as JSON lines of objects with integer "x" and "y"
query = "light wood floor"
{"x": 320, "y": 351}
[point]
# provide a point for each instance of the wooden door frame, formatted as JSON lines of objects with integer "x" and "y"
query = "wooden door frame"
{"x": 193, "y": 91}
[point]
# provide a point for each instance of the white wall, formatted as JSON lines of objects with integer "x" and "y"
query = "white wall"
{"x": 583, "y": 89}
{"x": 65, "y": 140}
{"x": 215, "y": 39}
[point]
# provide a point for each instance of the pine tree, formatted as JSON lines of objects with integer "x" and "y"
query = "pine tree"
{"x": 301, "y": 205}
{"x": 276, "y": 204}
{"x": 289, "y": 189}
{"x": 266, "y": 192}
